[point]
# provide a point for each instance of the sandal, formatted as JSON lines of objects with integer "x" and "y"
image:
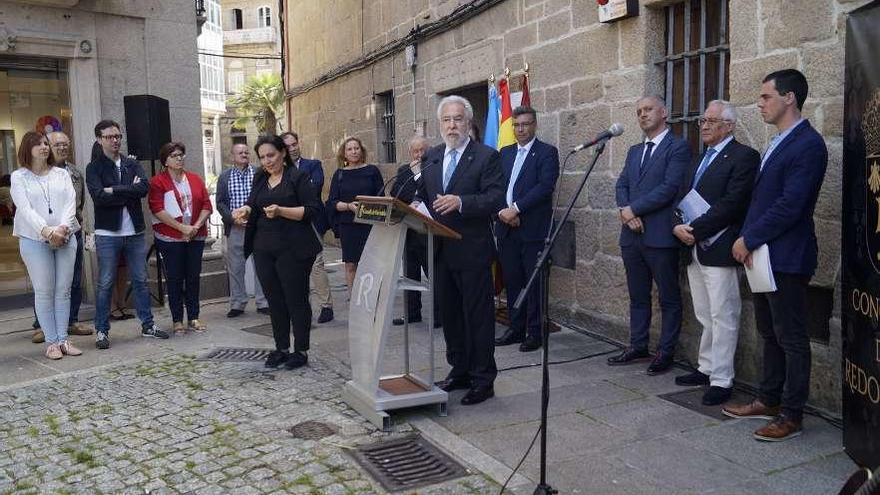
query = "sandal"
{"x": 178, "y": 328}
{"x": 197, "y": 326}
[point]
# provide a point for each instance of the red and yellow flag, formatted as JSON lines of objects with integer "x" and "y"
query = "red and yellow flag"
{"x": 505, "y": 128}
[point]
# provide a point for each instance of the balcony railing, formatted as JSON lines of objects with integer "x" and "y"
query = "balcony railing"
{"x": 249, "y": 36}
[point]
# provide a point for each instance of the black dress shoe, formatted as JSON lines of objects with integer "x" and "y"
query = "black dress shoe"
{"x": 628, "y": 356}
{"x": 662, "y": 363}
{"x": 530, "y": 344}
{"x": 264, "y": 311}
{"x": 400, "y": 321}
{"x": 450, "y": 384}
{"x": 692, "y": 379}
{"x": 276, "y": 359}
{"x": 234, "y": 312}
{"x": 716, "y": 396}
{"x": 326, "y": 315}
{"x": 437, "y": 323}
{"x": 509, "y": 337}
{"x": 296, "y": 360}
{"x": 477, "y": 395}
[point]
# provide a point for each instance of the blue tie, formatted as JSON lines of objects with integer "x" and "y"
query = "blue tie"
{"x": 450, "y": 169}
{"x": 703, "y": 166}
{"x": 517, "y": 167}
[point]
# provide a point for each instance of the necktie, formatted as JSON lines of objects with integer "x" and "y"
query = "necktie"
{"x": 450, "y": 169}
{"x": 514, "y": 174}
{"x": 649, "y": 146}
{"x": 707, "y": 157}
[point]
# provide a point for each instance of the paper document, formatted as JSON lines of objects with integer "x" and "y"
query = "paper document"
{"x": 760, "y": 275}
{"x": 421, "y": 208}
{"x": 692, "y": 207}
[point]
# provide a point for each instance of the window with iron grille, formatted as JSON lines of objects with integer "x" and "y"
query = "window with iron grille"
{"x": 697, "y": 63}
{"x": 386, "y": 132}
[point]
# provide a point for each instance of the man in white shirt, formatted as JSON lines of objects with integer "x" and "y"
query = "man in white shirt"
{"x": 117, "y": 185}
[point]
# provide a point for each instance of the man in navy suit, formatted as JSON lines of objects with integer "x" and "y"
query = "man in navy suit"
{"x": 780, "y": 215}
{"x": 463, "y": 186}
{"x": 531, "y": 168}
{"x": 318, "y": 282}
{"x": 723, "y": 177}
{"x": 646, "y": 191}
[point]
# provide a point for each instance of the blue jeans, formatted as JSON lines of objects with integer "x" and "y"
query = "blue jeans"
{"x": 183, "y": 268}
{"x": 135, "y": 250}
{"x": 51, "y": 272}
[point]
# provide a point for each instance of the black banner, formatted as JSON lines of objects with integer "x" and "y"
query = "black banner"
{"x": 861, "y": 238}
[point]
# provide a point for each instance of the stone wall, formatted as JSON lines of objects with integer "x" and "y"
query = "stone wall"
{"x": 584, "y": 76}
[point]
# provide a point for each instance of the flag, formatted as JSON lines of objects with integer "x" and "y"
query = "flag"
{"x": 505, "y": 128}
{"x": 490, "y": 135}
{"x": 526, "y": 101}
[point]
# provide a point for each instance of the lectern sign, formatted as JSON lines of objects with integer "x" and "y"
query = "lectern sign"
{"x": 861, "y": 238}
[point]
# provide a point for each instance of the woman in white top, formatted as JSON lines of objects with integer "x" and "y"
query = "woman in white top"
{"x": 45, "y": 221}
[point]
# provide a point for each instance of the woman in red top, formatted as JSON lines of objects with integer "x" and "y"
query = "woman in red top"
{"x": 181, "y": 207}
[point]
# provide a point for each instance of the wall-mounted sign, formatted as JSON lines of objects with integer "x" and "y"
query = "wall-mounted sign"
{"x": 615, "y": 10}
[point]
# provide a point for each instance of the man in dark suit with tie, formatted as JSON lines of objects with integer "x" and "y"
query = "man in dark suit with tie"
{"x": 531, "y": 168}
{"x": 780, "y": 215}
{"x": 646, "y": 191}
{"x": 723, "y": 178}
{"x": 318, "y": 281}
{"x": 463, "y": 186}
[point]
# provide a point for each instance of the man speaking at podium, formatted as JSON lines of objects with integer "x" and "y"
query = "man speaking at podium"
{"x": 462, "y": 185}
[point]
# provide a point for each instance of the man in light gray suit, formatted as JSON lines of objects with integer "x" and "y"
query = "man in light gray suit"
{"x": 233, "y": 189}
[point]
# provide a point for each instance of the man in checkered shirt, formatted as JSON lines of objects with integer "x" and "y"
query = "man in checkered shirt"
{"x": 233, "y": 189}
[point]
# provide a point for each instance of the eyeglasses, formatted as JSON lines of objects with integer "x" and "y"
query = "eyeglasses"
{"x": 518, "y": 125}
{"x": 112, "y": 137}
{"x": 177, "y": 156}
{"x": 61, "y": 145}
{"x": 450, "y": 120}
{"x": 712, "y": 122}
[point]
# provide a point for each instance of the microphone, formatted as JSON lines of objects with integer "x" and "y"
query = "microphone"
{"x": 616, "y": 129}
{"x": 412, "y": 178}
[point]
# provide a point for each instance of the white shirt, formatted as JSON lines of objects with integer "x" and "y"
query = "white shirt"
{"x": 527, "y": 148}
{"x": 127, "y": 226}
{"x": 35, "y": 195}
{"x": 460, "y": 150}
{"x": 656, "y": 140}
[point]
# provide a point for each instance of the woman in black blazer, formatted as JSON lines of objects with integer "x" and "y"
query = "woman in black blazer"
{"x": 279, "y": 233}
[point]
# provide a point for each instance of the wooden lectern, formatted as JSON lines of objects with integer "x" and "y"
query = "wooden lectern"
{"x": 377, "y": 283}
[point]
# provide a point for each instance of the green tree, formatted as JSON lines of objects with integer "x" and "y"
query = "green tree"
{"x": 260, "y": 100}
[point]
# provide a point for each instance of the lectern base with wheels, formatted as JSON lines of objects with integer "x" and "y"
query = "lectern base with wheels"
{"x": 377, "y": 283}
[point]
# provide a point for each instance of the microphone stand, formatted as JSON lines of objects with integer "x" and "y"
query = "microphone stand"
{"x": 543, "y": 488}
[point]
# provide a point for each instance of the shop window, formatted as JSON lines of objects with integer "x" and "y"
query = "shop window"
{"x": 696, "y": 64}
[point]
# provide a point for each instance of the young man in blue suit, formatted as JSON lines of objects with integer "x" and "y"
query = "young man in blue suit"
{"x": 723, "y": 177}
{"x": 318, "y": 282}
{"x": 531, "y": 168}
{"x": 462, "y": 186}
{"x": 780, "y": 215}
{"x": 646, "y": 191}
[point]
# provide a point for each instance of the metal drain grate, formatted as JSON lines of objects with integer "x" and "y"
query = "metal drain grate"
{"x": 312, "y": 430}
{"x": 236, "y": 354}
{"x": 407, "y": 463}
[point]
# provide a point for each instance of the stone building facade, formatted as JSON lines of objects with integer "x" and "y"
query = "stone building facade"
{"x": 584, "y": 75}
{"x": 69, "y": 63}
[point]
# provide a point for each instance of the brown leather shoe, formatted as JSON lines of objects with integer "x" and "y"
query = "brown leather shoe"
{"x": 78, "y": 328}
{"x": 755, "y": 409}
{"x": 779, "y": 429}
{"x": 38, "y": 337}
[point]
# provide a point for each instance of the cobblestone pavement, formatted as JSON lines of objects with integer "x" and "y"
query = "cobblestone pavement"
{"x": 179, "y": 425}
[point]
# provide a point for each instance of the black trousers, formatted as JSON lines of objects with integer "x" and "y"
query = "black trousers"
{"x": 781, "y": 321}
{"x": 468, "y": 312}
{"x": 416, "y": 261}
{"x": 285, "y": 281}
{"x": 518, "y": 259}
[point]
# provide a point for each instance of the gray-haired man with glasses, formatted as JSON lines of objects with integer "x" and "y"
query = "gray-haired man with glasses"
{"x": 724, "y": 178}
